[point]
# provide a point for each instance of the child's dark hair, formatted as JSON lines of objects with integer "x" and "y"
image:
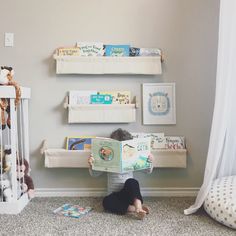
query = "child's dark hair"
{"x": 121, "y": 135}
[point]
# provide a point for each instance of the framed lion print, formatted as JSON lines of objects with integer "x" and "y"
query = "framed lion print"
{"x": 159, "y": 104}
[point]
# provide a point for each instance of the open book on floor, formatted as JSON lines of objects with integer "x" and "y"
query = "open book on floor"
{"x": 120, "y": 156}
{"x": 75, "y": 211}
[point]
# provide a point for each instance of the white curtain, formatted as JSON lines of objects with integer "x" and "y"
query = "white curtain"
{"x": 221, "y": 158}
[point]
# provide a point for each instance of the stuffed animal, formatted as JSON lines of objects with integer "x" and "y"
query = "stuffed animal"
{"x": 3, "y": 76}
{"x": 5, "y": 188}
{"x": 8, "y": 160}
{"x": 5, "y": 161}
{"x": 6, "y": 78}
{"x": 5, "y": 109}
{"x": 24, "y": 179}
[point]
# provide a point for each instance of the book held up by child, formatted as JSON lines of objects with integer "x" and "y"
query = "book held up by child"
{"x": 120, "y": 156}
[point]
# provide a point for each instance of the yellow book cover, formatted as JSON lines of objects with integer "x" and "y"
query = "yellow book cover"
{"x": 119, "y": 97}
{"x": 68, "y": 51}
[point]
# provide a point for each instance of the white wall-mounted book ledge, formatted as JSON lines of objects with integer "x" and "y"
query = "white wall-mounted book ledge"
{"x": 62, "y": 158}
{"x": 170, "y": 158}
{"x": 108, "y": 65}
{"x": 101, "y": 113}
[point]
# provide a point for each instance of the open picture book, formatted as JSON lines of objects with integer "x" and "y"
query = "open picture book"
{"x": 75, "y": 211}
{"x": 120, "y": 156}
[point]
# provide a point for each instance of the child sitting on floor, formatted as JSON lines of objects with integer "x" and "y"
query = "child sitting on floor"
{"x": 124, "y": 191}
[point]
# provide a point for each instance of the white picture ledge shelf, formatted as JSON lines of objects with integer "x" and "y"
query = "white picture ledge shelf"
{"x": 61, "y": 158}
{"x": 100, "y": 113}
{"x": 108, "y": 65}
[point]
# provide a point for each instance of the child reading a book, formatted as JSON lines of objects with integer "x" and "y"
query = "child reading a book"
{"x": 124, "y": 191}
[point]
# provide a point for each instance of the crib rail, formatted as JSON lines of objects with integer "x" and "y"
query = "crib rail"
{"x": 9, "y": 92}
{"x": 13, "y": 137}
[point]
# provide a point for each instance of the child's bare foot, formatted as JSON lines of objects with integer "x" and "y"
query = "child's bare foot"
{"x": 140, "y": 213}
{"x": 146, "y": 209}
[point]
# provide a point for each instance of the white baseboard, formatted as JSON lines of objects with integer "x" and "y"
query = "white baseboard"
{"x": 99, "y": 192}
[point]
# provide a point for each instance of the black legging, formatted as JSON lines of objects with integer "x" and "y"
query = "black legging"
{"x": 118, "y": 202}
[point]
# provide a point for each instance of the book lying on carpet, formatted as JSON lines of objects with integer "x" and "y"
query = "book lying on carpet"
{"x": 120, "y": 156}
{"x": 75, "y": 211}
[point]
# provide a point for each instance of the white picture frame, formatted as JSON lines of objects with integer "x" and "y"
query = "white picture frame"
{"x": 159, "y": 107}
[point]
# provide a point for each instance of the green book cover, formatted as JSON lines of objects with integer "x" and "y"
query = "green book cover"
{"x": 120, "y": 156}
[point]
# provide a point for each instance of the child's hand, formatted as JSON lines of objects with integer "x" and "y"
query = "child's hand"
{"x": 150, "y": 158}
{"x": 90, "y": 161}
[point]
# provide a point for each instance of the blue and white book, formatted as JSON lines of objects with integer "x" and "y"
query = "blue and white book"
{"x": 117, "y": 50}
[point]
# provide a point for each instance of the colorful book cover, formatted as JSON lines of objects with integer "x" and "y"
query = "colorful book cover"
{"x": 175, "y": 142}
{"x": 101, "y": 99}
{"x": 78, "y": 97}
{"x": 117, "y": 50}
{"x": 120, "y": 156}
{"x": 75, "y": 211}
{"x": 68, "y": 51}
{"x": 79, "y": 143}
{"x": 91, "y": 48}
{"x": 119, "y": 97}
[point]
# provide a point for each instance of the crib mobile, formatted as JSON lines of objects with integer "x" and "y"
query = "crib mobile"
{"x": 21, "y": 165}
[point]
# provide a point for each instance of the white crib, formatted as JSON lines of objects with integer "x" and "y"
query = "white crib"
{"x": 16, "y": 139}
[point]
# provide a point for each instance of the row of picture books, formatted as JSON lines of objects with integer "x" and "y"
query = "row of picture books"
{"x": 123, "y": 156}
{"x": 158, "y": 141}
{"x": 101, "y": 49}
{"x": 78, "y": 97}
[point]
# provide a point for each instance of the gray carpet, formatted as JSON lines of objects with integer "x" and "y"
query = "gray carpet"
{"x": 166, "y": 218}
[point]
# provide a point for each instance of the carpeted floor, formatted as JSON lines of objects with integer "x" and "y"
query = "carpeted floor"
{"x": 166, "y": 218}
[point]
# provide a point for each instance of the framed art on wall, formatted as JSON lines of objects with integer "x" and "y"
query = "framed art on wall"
{"x": 159, "y": 103}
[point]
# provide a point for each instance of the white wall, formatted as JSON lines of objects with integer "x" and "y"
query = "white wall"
{"x": 186, "y": 30}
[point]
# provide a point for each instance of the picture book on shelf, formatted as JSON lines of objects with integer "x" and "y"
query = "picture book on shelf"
{"x": 75, "y": 211}
{"x": 158, "y": 140}
{"x": 101, "y": 99}
{"x": 79, "y": 143}
{"x": 90, "y": 48}
{"x": 175, "y": 142}
{"x": 120, "y": 156}
{"x": 117, "y": 50}
{"x": 68, "y": 51}
{"x": 78, "y": 97}
{"x": 119, "y": 97}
